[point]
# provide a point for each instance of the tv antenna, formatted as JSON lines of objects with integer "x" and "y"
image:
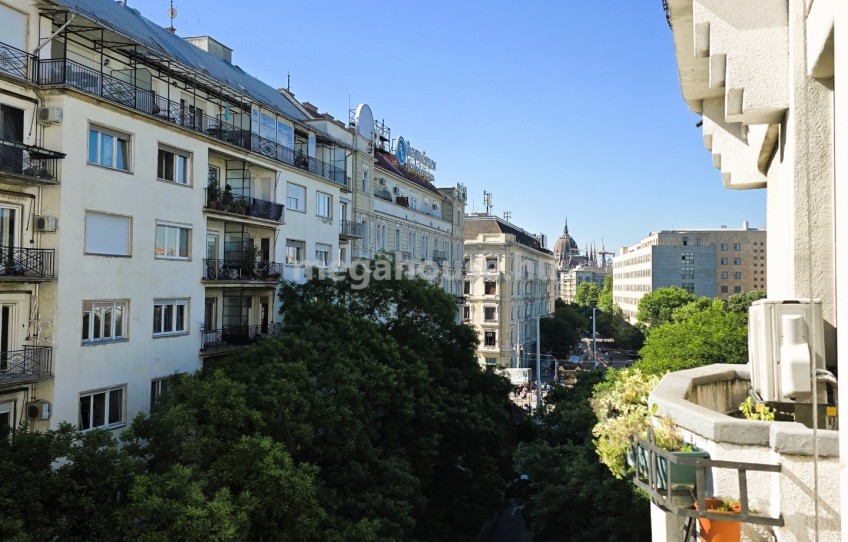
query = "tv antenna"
{"x": 487, "y": 201}
{"x": 172, "y": 14}
{"x": 507, "y": 215}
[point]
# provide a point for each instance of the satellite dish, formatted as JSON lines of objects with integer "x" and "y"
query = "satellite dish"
{"x": 364, "y": 120}
{"x": 172, "y": 12}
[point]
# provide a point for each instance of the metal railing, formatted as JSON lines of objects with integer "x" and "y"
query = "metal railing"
{"x": 348, "y": 228}
{"x": 67, "y": 72}
{"x": 31, "y": 362}
{"x": 237, "y": 335}
{"x": 26, "y": 262}
{"x": 28, "y": 161}
{"x": 237, "y": 268}
{"x": 439, "y": 255}
{"x": 13, "y": 61}
{"x": 243, "y": 205}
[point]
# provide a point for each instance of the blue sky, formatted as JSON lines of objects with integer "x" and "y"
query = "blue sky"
{"x": 556, "y": 107}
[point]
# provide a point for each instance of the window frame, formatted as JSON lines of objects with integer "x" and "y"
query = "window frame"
{"x": 300, "y": 247}
{"x": 158, "y": 386}
{"x": 300, "y": 206}
{"x": 327, "y": 200}
{"x": 490, "y": 334}
{"x": 176, "y": 153}
{"x": 325, "y": 250}
{"x": 113, "y": 324}
{"x": 107, "y": 408}
{"x": 118, "y": 136}
{"x": 87, "y": 231}
{"x": 172, "y": 226}
{"x": 175, "y": 303}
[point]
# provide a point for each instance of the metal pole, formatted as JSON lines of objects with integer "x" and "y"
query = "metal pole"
{"x": 594, "y": 338}
{"x": 538, "y": 365}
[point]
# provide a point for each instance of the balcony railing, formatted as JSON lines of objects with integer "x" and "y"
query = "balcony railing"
{"x": 243, "y": 205}
{"x": 31, "y": 363}
{"x": 237, "y": 335}
{"x": 33, "y": 263}
{"x": 237, "y": 268}
{"x": 69, "y": 73}
{"x": 439, "y": 255}
{"x": 350, "y": 230}
{"x": 28, "y": 161}
{"x": 13, "y": 61}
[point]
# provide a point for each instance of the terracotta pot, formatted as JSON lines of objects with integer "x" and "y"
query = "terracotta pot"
{"x": 714, "y": 530}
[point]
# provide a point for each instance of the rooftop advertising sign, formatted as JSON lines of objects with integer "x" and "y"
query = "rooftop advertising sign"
{"x": 413, "y": 159}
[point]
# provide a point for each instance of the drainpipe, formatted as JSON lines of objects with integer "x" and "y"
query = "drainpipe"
{"x": 56, "y": 33}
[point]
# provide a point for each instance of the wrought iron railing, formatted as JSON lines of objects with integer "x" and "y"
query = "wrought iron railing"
{"x": 28, "y": 160}
{"x": 237, "y": 335}
{"x": 26, "y": 262}
{"x": 348, "y": 228}
{"x": 243, "y": 205}
{"x": 238, "y": 268}
{"x": 67, "y": 72}
{"x": 13, "y": 61}
{"x": 438, "y": 255}
{"x": 31, "y": 362}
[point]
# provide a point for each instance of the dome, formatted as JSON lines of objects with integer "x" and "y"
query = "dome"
{"x": 565, "y": 245}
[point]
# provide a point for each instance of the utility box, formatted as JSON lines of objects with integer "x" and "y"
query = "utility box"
{"x": 518, "y": 376}
{"x": 785, "y": 344}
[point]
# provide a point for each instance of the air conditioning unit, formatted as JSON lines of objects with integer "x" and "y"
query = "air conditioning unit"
{"x": 38, "y": 410}
{"x": 382, "y": 181}
{"x": 785, "y": 344}
{"x": 45, "y": 223}
{"x": 50, "y": 115}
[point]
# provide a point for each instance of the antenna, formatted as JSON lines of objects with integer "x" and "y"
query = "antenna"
{"x": 487, "y": 201}
{"x": 288, "y": 81}
{"x": 507, "y": 215}
{"x": 172, "y": 14}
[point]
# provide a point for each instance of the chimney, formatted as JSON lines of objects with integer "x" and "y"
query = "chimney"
{"x": 744, "y": 224}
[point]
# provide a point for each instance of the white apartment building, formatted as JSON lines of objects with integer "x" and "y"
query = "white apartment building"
{"x": 151, "y": 197}
{"x": 705, "y": 262}
{"x": 510, "y": 281}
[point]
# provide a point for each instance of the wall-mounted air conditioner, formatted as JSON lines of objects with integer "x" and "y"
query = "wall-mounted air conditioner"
{"x": 50, "y": 115}
{"x": 785, "y": 342}
{"x": 38, "y": 410}
{"x": 45, "y": 223}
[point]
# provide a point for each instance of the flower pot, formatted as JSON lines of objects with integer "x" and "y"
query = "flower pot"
{"x": 680, "y": 475}
{"x": 719, "y": 530}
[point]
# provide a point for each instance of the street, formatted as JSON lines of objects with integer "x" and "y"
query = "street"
{"x": 509, "y": 526}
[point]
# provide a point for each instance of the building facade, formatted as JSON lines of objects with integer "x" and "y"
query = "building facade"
{"x": 152, "y": 195}
{"x": 575, "y": 267}
{"x": 510, "y": 281}
{"x": 711, "y": 263}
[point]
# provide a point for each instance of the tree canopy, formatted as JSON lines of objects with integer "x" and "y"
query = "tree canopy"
{"x": 657, "y": 307}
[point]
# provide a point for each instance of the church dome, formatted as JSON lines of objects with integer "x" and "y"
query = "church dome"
{"x": 565, "y": 245}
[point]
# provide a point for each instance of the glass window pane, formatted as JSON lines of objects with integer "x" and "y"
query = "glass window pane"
{"x": 183, "y": 243}
{"x": 171, "y": 242}
{"x": 116, "y": 406}
{"x": 106, "y": 149}
{"x": 157, "y": 318}
{"x": 99, "y": 415}
{"x": 160, "y": 240}
{"x": 98, "y": 322}
{"x": 86, "y": 323}
{"x": 92, "y": 146}
{"x": 168, "y": 319}
{"x": 119, "y": 321}
{"x": 180, "y": 318}
{"x": 181, "y": 169}
{"x": 85, "y": 412}
{"x": 107, "y": 323}
{"x": 121, "y": 158}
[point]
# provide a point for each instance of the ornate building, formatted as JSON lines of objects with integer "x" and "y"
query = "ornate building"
{"x": 574, "y": 267}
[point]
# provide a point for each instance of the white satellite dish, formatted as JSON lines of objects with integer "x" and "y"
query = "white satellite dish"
{"x": 172, "y": 13}
{"x": 364, "y": 120}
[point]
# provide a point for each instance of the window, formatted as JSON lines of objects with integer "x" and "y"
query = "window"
{"x": 365, "y": 180}
{"x": 697, "y": 241}
{"x": 724, "y": 289}
{"x": 466, "y": 313}
{"x": 491, "y": 264}
{"x": 397, "y": 239}
{"x": 685, "y": 241}
{"x": 491, "y": 287}
{"x": 173, "y": 166}
{"x": 724, "y": 274}
{"x": 103, "y": 321}
{"x": 724, "y": 260}
{"x": 296, "y": 198}
{"x": 737, "y": 247}
{"x": 322, "y": 255}
{"x": 466, "y": 287}
{"x": 490, "y": 338}
{"x": 108, "y": 148}
{"x": 491, "y": 362}
{"x": 101, "y": 408}
{"x": 724, "y": 246}
{"x": 737, "y": 289}
{"x": 737, "y": 261}
{"x": 489, "y": 314}
{"x": 323, "y": 203}
{"x": 294, "y": 252}
{"x": 107, "y": 235}
{"x": 737, "y": 275}
{"x": 172, "y": 242}
{"x": 158, "y": 386}
{"x": 170, "y": 317}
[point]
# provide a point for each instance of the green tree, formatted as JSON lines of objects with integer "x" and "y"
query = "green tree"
{"x": 587, "y": 294}
{"x": 713, "y": 335}
{"x": 742, "y": 302}
{"x": 657, "y": 307}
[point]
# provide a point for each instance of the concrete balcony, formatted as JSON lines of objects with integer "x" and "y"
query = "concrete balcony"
{"x": 803, "y": 493}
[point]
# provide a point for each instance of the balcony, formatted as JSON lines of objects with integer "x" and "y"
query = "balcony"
{"x": 237, "y": 269}
{"x": 237, "y": 335}
{"x": 350, "y": 230}
{"x": 227, "y": 202}
{"x": 27, "y": 365}
{"x": 439, "y": 256}
{"x": 28, "y": 164}
{"x": 63, "y": 72}
{"x": 26, "y": 264}
{"x": 766, "y": 465}
{"x": 13, "y": 61}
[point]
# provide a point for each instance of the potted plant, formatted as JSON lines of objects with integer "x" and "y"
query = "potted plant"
{"x": 667, "y": 437}
{"x": 213, "y": 192}
{"x": 227, "y": 199}
{"x": 720, "y": 530}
